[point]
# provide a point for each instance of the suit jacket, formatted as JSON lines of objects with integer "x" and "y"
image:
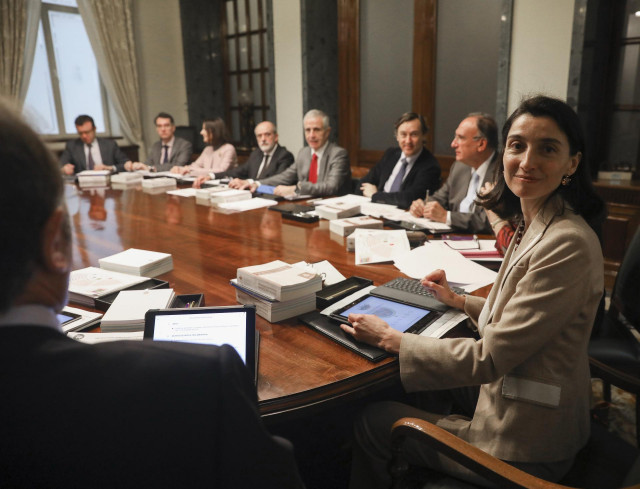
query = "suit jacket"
{"x": 334, "y": 177}
{"x": 424, "y": 175}
{"x": 146, "y": 414}
{"x": 279, "y": 161}
{"x": 453, "y": 192}
{"x": 531, "y": 360}
{"x": 180, "y": 155}
{"x": 111, "y": 154}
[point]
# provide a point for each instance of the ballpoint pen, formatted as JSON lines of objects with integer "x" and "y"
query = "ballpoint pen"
{"x": 426, "y": 199}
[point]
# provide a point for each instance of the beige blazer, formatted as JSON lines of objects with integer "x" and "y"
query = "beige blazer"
{"x": 531, "y": 360}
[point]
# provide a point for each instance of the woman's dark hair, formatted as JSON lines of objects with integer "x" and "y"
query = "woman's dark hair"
{"x": 579, "y": 193}
{"x": 217, "y": 131}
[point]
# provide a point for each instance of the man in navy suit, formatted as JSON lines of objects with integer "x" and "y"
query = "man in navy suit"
{"x": 407, "y": 172}
{"x": 119, "y": 414}
{"x": 91, "y": 153}
{"x": 320, "y": 169}
{"x": 269, "y": 159}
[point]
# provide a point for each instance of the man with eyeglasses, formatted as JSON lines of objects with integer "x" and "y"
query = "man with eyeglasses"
{"x": 169, "y": 151}
{"x": 475, "y": 143}
{"x": 91, "y": 153}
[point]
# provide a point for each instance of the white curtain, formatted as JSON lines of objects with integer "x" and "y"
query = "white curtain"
{"x": 110, "y": 29}
{"x": 18, "y": 34}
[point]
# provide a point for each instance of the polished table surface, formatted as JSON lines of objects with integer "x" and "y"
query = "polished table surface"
{"x": 300, "y": 370}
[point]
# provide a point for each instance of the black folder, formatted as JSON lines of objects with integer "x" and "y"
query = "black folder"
{"x": 331, "y": 328}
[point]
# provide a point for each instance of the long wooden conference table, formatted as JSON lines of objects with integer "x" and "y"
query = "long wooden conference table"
{"x": 300, "y": 370}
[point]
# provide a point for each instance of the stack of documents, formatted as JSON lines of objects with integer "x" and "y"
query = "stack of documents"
{"x": 88, "y": 284}
{"x": 158, "y": 185}
{"x": 386, "y": 211}
{"x": 129, "y": 307}
{"x": 138, "y": 262}
{"x": 126, "y": 178}
{"x": 274, "y": 311}
{"x": 93, "y": 178}
{"x": 279, "y": 281}
{"x": 344, "y": 227}
{"x": 339, "y": 210}
{"x": 229, "y": 195}
{"x": 203, "y": 195}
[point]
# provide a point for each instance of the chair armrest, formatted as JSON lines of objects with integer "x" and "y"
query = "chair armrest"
{"x": 614, "y": 376}
{"x": 480, "y": 462}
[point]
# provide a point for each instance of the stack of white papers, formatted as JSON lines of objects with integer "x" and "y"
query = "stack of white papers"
{"x": 158, "y": 185}
{"x": 203, "y": 195}
{"x": 229, "y": 195}
{"x": 344, "y": 227}
{"x": 460, "y": 271}
{"x": 93, "y": 178}
{"x": 88, "y": 284}
{"x": 129, "y": 307}
{"x": 126, "y": 177}
{"x": 340, "y": 207}
{"x": 381, "y": 246}
{"x": 138, "y": 262}
{"x": 247, "y": 205}
{"x": 274, "y": 311}
{"x": 386, "y": 211}
{"x": 279, "y": 280}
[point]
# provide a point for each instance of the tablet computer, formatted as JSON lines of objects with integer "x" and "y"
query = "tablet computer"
{"x": 232, "y": 325}
{"x": 405, "y": 318}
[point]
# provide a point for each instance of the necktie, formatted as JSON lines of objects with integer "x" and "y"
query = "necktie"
{"x": 263, "y": 165}
{"x": 165, "y": 159}
{"x": 467, "y": 204}
{"x": 313, "y": 169}
{"x": 397, "y": 183}
{"x": 90, "y": 163}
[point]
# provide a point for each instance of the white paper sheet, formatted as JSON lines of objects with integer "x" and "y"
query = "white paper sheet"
{"x": 183, "y": 192}
{"x": 382, "y": 246}
{"x": 329, "y": 273}
{"x": 433, "y": 255}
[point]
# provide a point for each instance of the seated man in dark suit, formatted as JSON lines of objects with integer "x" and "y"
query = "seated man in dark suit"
{"x": 169, "y": 151}
{"x": 120, "y": 414}
{"x": 91, "y": 153}
{"x": 269, "y": 159}
{"x": 405, "y": 173}
{"x": 320, "y": 169}
{"x": 475, "y": 143}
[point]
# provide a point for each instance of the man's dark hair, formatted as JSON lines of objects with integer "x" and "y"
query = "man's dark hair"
{"x": 81, "y": 119}
{"x": 412, "y": 116}
{"x": 163, "y": 115}
{"x": 217, "y": 130}
{"x": 487, "y": 128}
{"x": 28, "y": 200}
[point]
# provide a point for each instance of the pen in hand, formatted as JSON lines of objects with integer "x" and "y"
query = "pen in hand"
{"x": 426, "y": 199}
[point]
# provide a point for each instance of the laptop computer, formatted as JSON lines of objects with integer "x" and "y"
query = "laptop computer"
{"x": 231, "y": 325}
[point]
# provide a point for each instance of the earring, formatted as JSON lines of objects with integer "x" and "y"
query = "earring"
{"x": 566, "y": 180}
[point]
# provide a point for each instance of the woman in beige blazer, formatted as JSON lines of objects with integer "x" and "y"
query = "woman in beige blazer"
{"x": 530, "y": 362}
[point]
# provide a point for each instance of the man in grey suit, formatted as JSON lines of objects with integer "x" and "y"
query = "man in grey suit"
{"x": 170, "y": 151}
{"x": 269, "y": 159}
{"x": 91, "y": 153}
{"x": 475, "y": 143}
{"x": 320, "y": 169}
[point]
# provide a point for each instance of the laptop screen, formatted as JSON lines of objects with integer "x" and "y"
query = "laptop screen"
{"x": 234, "y": 326}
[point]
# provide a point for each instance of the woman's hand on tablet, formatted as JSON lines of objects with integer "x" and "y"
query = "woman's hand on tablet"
{"x": 374, "y": 331}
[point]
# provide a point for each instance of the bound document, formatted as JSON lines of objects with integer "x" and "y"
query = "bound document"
{"x": 128, "y": 310}
{"x": 279, "y": 280}
{"x": 138, "y": 262}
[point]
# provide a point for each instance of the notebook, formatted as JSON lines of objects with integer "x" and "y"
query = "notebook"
{"x": 230, "y": 325}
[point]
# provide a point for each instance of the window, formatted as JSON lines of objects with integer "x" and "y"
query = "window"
{"x": 246, "y": 67}
{"x": 65, "y": 82}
